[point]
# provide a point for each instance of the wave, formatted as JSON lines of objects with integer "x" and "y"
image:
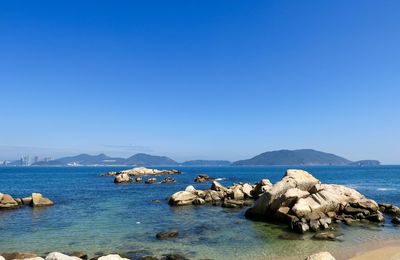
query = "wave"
{"x": 386, "y": 189}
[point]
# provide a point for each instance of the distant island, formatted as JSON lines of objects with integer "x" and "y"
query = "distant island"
{"x": 302, "y": 157}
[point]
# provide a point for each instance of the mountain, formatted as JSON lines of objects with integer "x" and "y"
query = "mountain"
{"x": 295, "y": 157}
{"x": 206, "y": 163}
{"x": 143, "y": 159}
{"x": 85, "y": 159}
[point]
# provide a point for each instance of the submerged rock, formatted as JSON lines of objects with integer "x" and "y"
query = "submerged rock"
{"x": 39, "y": 201}
{"x": 321, "y": 256}
{"x": 167, "y": 234}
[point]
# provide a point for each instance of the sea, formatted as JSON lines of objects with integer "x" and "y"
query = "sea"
{"x": 94, "y": 215}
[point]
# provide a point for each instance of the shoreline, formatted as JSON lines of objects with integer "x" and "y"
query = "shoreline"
{"x": 372, "y": 250}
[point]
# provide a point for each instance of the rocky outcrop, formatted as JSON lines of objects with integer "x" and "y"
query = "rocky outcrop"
{"x": 304, "y": 203}
{"x": 39, "y": 201}
{"x": 168, "y": 180}
{"x": 321, "y": 256}
{"x": 204, "y": 178}
{"x": 235, "y": 196}
{"x": 142, "y": 171}
{"x": 122, "y": 178}
{"x": 36, "y": 200}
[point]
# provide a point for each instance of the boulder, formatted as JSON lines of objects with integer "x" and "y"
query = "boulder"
{"x": 182, "y": 198}
{"x": 26, "y": 200}
{"x": 150, "y": 181}
{"x": 324, "y": 236}
{"x": 237, "y": 193}
{"x": 60, "y": 256}
{"x": 112, "y": 257}
{"x": 39, "y": 201}
{"x": 122, "y": 178}
{"x": 203, "y": 178}
{"x": 199, "y": 201}
{"x": 190, "y": 188}
{"x": 217, "y": 186}
{"x": 396, "y": 220}
{"x": 168, "y": 180}
{"x": 231, "y": 203}
{"x": 167, "y": 234}
{"x": 320, "y": 256}
{"x": 261, "y": 187}
{"x": 138, "y": 179}
{"x": 7, "y": 201}
{"x": 79, "y": 254}
{"x": 247, "y": 190}
{"x": 19, "y": 255}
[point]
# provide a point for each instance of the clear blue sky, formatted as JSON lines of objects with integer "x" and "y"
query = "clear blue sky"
{"x": 200, "y": 79}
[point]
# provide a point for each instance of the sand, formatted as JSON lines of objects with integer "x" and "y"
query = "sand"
{"x": 384, "y": 253}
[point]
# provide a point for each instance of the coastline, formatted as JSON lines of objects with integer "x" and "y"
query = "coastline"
{"x": 387, "y": 249}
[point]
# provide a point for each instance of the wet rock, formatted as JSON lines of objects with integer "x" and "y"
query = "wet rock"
{"x": 138, "y": 179}
{"x": 168, "y": 180}
{"x": 39, "y": 201}
{"x": 150, "y": 181}
{"x": 314, "y": 225}
{"x": 320, "y": 256}
{"x": 396, "y": 220}
{"x": 231, "y": 203}
{"x": 377, "y": 217}
{"x": 167, "y": 234}
{"x": 174, "y": 257}
{"x": 198, "y": 201}
{"x": 300, "y": 227}
{"x": 324, "y": 236}
{"x": 216, "y": 186}
{"x": 122, "y": 178}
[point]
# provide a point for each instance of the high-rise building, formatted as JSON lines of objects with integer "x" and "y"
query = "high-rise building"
{"x": 25, "y": 160}
{"x": 35, "y": 159}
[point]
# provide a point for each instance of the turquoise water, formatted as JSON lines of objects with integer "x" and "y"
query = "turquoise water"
{"x": 95, "y": 215}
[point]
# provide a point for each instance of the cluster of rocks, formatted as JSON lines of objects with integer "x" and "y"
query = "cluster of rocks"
{"x": 301, "y": 201}
{"x": 142, "y": 171}
{"x": 204, "y": 178}
{"x": 83, "y": 256}
{"x": 35, "y": 200}
{"x": 125, "y": 178}
{"x": 391, "y": 210}
{"x": 236, "y": 196}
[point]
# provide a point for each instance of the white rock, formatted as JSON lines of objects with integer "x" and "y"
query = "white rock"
{"x": 182, "y": 198}
{"x": 321, "y": 256}
{"x": 190, "y": 188}
{"x": 112, "y": 257}
{"x": 60, "y": 256}
{"x": 2, "y": 258}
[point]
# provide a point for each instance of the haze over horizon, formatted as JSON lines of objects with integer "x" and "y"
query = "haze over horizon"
{"x": 200, "y": 80}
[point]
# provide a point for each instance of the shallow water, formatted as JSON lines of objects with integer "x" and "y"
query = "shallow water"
{"x": 97, "y": 216}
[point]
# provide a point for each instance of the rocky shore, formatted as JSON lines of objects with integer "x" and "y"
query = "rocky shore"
{"x": 298, "y": 200}
{"x": 142, "y": 171}
{"x": 35, "y": 200}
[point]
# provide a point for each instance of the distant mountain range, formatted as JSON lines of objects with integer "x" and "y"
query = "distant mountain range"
{"x": 303, "y": 157}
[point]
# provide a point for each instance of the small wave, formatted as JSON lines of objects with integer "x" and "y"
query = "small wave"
{"x": 385, "y": 189}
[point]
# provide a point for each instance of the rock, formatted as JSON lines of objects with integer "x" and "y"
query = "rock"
{"x": 167, "y": 234}
{"x": 26, "y": 200}
{"x": 19, "y": 255}
{"x": 300, "y": 227}
{"x": 320, "y": 256}
{"x": 261, "y": 187}
{"x": 39, "y": 201}
{"x": 2, "y": 258}
{"x": 111, "y": 257}
{"x": 168, "y": 180}
{"x": 150, "y": 181}
{"x": 7, "y": 201}
{"x": 122, "y": 178}
{"x": 237, "y": 193}
{"x": 138, "y": 179}
{"x": 396, "y": 220}
{"x": 377, "y": 217}
{"x": 199, "y": 201}
{"x": 142, "y": 171}
{"x": 231, "y": 203}
{"x": 314, "y": 225}
{"x": 182, "y": 198}
{"x": 60, "y": 256}
{"x": 217, "y": 186}
{"x": 81, "y": 255}
{"x": 190, "y": 188}
{"x": 174, "y": 257}
{"x": 203, "y": 178}
{"x": 247, "y": 190}
{"x": 325, "y": 236}
{"x": 282, "y": 215}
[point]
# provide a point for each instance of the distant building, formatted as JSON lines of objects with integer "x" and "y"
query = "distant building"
{"x": 36, "y": 159}
{"x": 47, "y": 159}
{"x": 25, "y": 160}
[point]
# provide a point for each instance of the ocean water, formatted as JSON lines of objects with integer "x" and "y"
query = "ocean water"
{"x": 94, "y": 215}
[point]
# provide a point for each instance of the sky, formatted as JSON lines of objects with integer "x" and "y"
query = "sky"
{"x": 200, "y": 79}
